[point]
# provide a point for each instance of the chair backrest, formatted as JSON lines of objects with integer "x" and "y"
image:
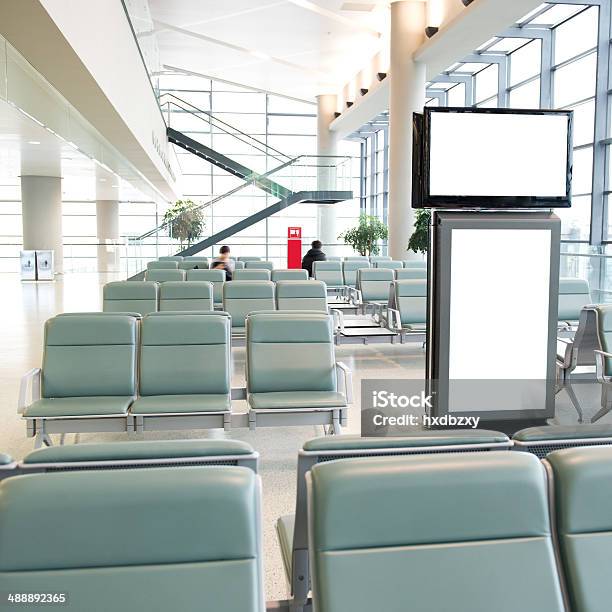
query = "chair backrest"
{"x": 130, "y": 296}
{"x": 604, "y": 329}
{"x": 403, "y": 520}
{"x": 415, "y": 263}
{"x": 290, "y": 351}
{"x": 252, "y": 274}
{"x": 171, "y": 258}
{"x": 574, "y": 294}
{"x": 154, "y": 537}
{"x": 238, "y": 265}
{"x": 408, "y": 273}
{"x": 333, "y": 258}
{"x": 583, "y": 496}
{"x": 388, "y": 264}
{"x": 357, "y": 258}
{"x": 242, "y": 297}
{"x": 349, "y": 270}
{"x": 186, "y": 295}
{"x": 191, "y": 261}
{"x": 410, "y": 298}
{"x": 259, "y": 265}
{"x": 162, "y": 276}
{"x": 301, "y": 295}
{"x": 185, "y": 354}
{"x": 293, "y": 274}
{"x": 90, "y": 355}
{"x": 544, "y": 440}
{"x": 330, "y": 272}
{"x": 216, "y": 277}
{"x": 162, "y": 265}
{"x": 249, "y": 258}
{"x": 374, "y": 283}
{"x": 374, "y": 258}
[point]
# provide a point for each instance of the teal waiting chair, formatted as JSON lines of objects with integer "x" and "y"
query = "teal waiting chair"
{"x": 293, "y": 274}
{"x": 389, "y": 264}
{"x": 350, "y": 268}
{"x": 193, "y": 262}
{"x": 301, "y": 295}
{"x": 240, "y": 297}
{"x": 259, "y": 265}
{"x": 258, "y": 274}
{"x": 216, "y": 277}
{"x": 330, "y": 272}
{"x": 177, "y": 258}
{"x": 411, "y": 273}
{"x": 291, "y": 371}
{"x": 574, "y": 295}
{"x": 163, "y": 265}
{"x": 138, "y": 540}
{"x": 87, "y": 381}
{"x": 373, "y": 286}
{"x": 376, "y": 258}
{"x": 249, "y": 258}
{"x": 406, "y": 311}
{"x": 436, "y": 532}
{"x": 130, "y": 296}
{"x": 186, "y": 296}
{"x": 161, "y": 276}
{"x": 292, "y": 529}
{"x": 415, "y": 263}
{"x": 185, "y": 373}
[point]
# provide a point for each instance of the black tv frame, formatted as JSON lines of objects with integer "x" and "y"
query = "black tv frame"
{"x": 421, "y": 197}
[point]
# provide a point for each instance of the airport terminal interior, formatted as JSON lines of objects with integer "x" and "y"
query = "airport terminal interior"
{"x": 305, "y": 305}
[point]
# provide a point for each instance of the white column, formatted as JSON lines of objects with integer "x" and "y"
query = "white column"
{"x": 326, "y": 176}
{"x": 41, "y": 215}
{"x": 406, "y": 95}
{"x": 107, "y": 223}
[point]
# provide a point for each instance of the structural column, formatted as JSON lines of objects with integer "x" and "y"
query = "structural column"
{"x": 326, "y": 172}
{"x": 41, "y": 215}
{"x": 406, "y": 95}
{"x": 107, "y": 226}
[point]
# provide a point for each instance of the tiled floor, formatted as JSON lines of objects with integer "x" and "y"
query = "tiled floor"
{"x": 25, "y": 307}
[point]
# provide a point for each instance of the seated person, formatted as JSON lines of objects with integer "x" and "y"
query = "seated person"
{"x": 314, "y": 254}
{"x": 223, "y": 262}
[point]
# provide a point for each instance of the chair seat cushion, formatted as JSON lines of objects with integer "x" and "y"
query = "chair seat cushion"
{"x": 285, "y": 527}
{"x": 142, "y": 449}
{"x": 296, "y": 399}
{"x": 79, "y": 406}
{"x": 164, "y": 404}
{"x": 563, "y": 432}
{"x": 5, "y": 459}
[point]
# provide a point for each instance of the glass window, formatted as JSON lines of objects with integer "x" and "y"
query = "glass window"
{"x": 486, "y": 83}
{"x": 526, "y": 96}
{"x": 526, "y": 62}
{"x": 456, "y": 95}
{"x": 575, "y": 81}
{"x": 576, "y": 35}
{"x": 582, "y": 179}
{"x": 584, "y": 122}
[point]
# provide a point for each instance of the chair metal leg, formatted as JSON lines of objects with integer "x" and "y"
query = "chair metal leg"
{"x": 605, "y": 405}
{"x": 574, "y": 400}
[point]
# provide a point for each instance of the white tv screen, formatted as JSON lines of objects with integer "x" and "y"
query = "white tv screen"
{"x": 498, "y": 155}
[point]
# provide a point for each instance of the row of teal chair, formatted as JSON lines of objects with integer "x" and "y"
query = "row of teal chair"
{"x": 383, "y": 532}
{"x": 114, "y": 372}
{"x": 238, "y": 298}
{"x": 202, "y": 263}
{"x": 336, "y": 274}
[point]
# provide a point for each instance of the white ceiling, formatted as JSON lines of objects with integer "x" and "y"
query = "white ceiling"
{"x": 299, "y": 48}
{"x": 28, "y": 148}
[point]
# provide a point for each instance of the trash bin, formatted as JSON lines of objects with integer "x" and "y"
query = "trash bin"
{"x": 27, "y": 261}
{"x": 44, "y": 265}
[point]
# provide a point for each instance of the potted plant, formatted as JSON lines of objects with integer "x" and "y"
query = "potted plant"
{"x": 365, "y": 236}
{"x": 419, "y": 241}
{"x": 185, "y": 221}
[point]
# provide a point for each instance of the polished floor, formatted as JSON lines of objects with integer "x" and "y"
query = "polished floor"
{"x": 26, "y": 306}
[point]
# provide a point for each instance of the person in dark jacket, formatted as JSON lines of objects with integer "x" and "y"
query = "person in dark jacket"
{"x": 314, "y": 254}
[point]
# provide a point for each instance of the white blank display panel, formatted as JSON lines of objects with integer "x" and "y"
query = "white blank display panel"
{"x": 499, "y": 309}
{"x": 511, "y": 155}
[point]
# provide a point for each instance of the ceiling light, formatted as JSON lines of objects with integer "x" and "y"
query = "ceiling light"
{"x": 33, "y": 142}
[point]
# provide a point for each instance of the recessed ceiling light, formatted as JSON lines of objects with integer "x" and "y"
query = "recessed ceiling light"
{"x": 33, "y": 142}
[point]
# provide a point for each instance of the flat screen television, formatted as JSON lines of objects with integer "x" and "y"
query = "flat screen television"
{"x": 492, "y": 158}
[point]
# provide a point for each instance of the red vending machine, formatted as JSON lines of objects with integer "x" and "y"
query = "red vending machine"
{"x": 294, "y": 247}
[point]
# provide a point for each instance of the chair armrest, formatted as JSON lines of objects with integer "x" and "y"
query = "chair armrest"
{"x": 565, "y": 347}
{"x": 29, "y": 380}
{"x": 394, "y": 318}
{"x": 343, "y": 372}
{"x": 600, "y": 366}
{"x": 338, "y": 317}
{"x": 238, "y": 393}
